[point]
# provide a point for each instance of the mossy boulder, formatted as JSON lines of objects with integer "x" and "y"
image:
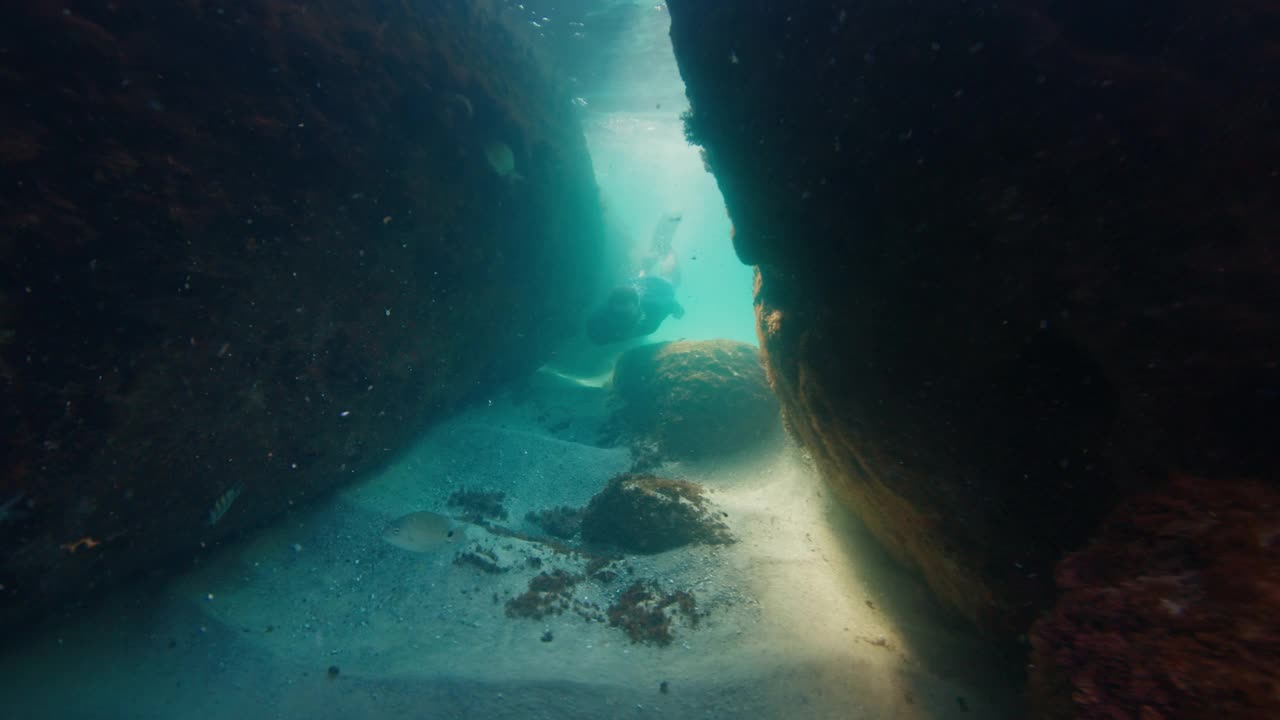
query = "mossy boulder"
{"x": 648, "y": 514}
{"x": 696, "y": 399}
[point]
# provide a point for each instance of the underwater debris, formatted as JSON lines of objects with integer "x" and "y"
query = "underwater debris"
{"x": 645, "y": 614}
{"x": 423, "y": 531}
{"x": 223, "y": 504}
{"x": 477, "y": 505}
{"x": 555, "y": 546}
{"x": 603, "y": 570}
{"x": 482, "y": 558}
{"x": 877, "y": 640}
{"x": 560, "y": 522}
{"x": 548, "y": 594}
{"x": 85, "y": 542}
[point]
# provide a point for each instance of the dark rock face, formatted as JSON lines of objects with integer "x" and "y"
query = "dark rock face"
{"x": 647, "y": 514}
{"x": 696, "y": 399}
{"x": 1171, "y": 611}
{"x": 1016, "y": 261}
{"x": 261, "y": 247}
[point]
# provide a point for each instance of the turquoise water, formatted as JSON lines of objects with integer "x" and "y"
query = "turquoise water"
{"x": 646, "y": 169}
{"x": 313, "y": 615}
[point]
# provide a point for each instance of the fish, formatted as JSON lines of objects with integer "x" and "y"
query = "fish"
{"x": 499, "y": 156}
{"x": 424, "y": 531}
{"x": 223, "y": 504}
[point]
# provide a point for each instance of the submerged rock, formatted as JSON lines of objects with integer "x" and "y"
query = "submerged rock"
{"x": 647, "y": 514}
{"x": 277, "y": 300}
{"x": 1004, "y": 260}
{"x": 1170, "y": 612}
{"x": 696, "y": 399}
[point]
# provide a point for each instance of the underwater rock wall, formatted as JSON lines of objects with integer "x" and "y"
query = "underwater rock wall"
{"x": 1171, "y": 611}
{"x": 1016, "y": 262}
{"x": 250, "y": 251}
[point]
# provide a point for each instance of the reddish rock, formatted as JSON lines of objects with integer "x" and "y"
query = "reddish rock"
{"x": 696, "y": 399}
{"x": 1170, "y": 612}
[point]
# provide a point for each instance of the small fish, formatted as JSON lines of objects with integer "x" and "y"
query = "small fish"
{"x": 424, "y": 531}
{"x": 503, "y": 161}
{"x": 223, "y": 504}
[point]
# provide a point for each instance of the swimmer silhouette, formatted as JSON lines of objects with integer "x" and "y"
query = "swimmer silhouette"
{"x": 639, "y": 307}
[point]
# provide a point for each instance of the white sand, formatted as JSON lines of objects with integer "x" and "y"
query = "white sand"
{"x": 804, "y": 616}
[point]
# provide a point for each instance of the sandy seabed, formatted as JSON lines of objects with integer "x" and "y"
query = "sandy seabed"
{"x": 803, "y": 617}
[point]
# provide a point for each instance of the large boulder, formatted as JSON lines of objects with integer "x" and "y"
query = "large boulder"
{"x": 249, "y": 251}
{"x": 696, "y": 399}
{"x": 1015, "y": 262}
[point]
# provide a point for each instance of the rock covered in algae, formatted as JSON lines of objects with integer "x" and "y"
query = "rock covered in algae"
{"x": 1170, "y": 611}
{"x": 696, "y": 399}
{"x": 974, "y": 352}
{"x": 648, "y": 514}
